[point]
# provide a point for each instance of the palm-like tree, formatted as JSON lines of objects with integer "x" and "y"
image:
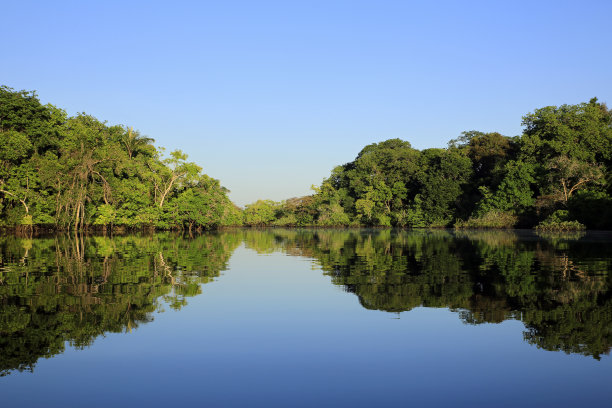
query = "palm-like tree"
{"x": 135, "y": 143}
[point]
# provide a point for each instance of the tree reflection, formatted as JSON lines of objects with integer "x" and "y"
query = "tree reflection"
{"x": 72, "y": 289}
{"x": 557, "y": 285}
{"x": 75, "y": 288}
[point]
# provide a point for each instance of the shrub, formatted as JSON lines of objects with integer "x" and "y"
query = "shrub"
{"x": 559, "y": 221}
{"x": 490, "y": 219}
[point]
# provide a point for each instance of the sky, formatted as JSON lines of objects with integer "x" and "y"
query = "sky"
{"x": 269, "y": 96}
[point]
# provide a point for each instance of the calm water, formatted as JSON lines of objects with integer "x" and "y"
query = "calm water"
{"x": 307, "y": 318}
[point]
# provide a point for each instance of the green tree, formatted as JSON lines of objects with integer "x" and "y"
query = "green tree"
{"x": 514, "y": 193}
{"x": 135, "y": 143}
{"x": 174, "y": 169}
{"x": 569, "y": 175}
{"x": 571, "y": 144}
{"x": 260, "y": 213}
{"x": 442, "y": 177}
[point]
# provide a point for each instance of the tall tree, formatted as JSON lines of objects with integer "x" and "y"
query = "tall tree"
{"x": 169, "y": 172}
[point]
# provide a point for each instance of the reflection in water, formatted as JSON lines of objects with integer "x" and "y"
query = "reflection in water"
{"x": 77, "y": 288}
{"x": 557, "y": 285}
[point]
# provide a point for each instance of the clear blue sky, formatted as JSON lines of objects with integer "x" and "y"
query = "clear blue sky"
{"x": 269, "y": 96}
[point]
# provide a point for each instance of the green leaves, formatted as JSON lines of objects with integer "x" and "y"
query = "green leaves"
{"x": 260, "y": 213}
{"x": 569, "y": 175}
{"x": 581, "y": 132}
{"x": 514, "y": 193}
{"x": 105, "y": 215}
{"x": 79, "y": 171}
{"x": 14, "y": 146}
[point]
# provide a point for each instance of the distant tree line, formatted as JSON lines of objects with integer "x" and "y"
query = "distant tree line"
{"x": 77, "y": 173}
{"x": 556, "y": 175}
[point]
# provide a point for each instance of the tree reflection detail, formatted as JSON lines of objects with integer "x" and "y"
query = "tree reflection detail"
{"x": 72, "y": 289}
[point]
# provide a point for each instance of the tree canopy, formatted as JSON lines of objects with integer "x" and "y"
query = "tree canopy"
{"x": 549, "y": 176}
{"x": 78, "y": 172}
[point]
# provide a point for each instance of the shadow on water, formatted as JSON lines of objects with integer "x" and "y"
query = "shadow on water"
{"x": 74, "y": 288}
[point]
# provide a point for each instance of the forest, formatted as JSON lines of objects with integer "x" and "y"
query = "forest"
{"x": 60, "y": 172}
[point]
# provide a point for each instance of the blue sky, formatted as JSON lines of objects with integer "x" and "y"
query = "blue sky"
{"x": 269, "y": 96}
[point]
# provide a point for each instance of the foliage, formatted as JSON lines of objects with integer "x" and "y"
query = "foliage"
{"x": 592, "y": 208}
{"x": 571, "y": 145}
{"x": 491, "y": 219}
{"x": 513, "y": 195}
{"x": 568, "y": 175}
{"x": 559, "y": 221}
{"x": 260, "y": 213}
{"x": 78, "y": 172}
{"x": 481, "y": 179}
{"x": 489, "y": 153}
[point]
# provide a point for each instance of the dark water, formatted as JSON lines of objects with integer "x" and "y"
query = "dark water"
{"x": 307, "y": 318}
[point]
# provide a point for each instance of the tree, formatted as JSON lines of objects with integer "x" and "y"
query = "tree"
{"x": 15, "y": 173}
{"x": 441, "y": 179}
{"x": 135, "y": 143}
{"x": 570, "y": 144}
{"x": 488, "y": 152}
{"x": 260, "y": 213}
{"x": 167, "y": 172}
{"x": 569, "y": 175}
{"x": 78, "y": 171}
{"x": 514, "y": 194}
{"x": 581, "y": 132}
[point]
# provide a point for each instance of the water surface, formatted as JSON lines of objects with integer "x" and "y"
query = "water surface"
{"x": 307, "y": 318}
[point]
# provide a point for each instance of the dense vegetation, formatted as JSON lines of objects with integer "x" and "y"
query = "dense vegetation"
{"x": 77, "y": 172}
{"x": 75, "y": 288}
{"x": 557, "y": 175}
